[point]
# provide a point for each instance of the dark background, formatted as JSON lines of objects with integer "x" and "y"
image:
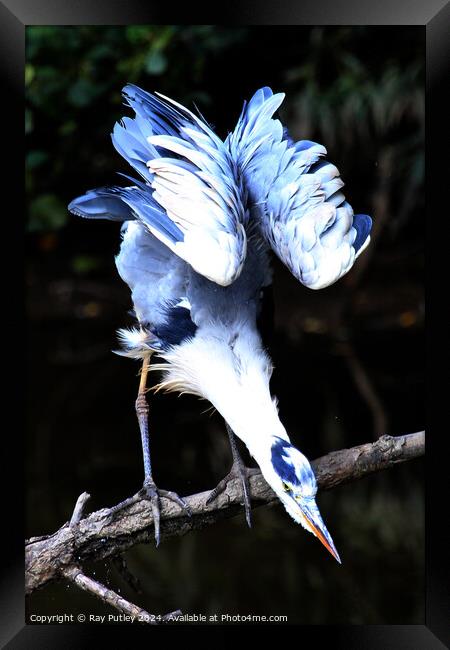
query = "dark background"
{"x": 348, "y": 359}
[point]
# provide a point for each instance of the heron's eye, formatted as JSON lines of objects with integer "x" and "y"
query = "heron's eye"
{"x": 286, "y": 487}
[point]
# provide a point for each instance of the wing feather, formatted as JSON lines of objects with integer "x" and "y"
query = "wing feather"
{"x": 202, "y": 193}
{"x": 190, "y": 197}
{"x": 296, "y": 196}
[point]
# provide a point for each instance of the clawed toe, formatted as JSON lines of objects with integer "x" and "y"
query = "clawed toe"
{"x": 153, "y": 494}
{"x": 150, "y": 492}
{"x": 238, "y": 471}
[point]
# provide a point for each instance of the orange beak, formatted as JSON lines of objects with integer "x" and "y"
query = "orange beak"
{"x": 318, "y": 528}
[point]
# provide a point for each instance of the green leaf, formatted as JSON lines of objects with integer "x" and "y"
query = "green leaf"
{"x": 101, "y": 51}
{"x": 137, "y": 34}
{"x": 155, "y": 63}
{"x": 163, "y": 39}
{"x": 35, "y": 158}
{"x": 67, "y": 128}
{"x": 47, "y": 212}
{"x": 82, "y": 93}
{"x": 29, "y": 74}
{"x": 29, "y": 122}
{"x": 85, "y": 263}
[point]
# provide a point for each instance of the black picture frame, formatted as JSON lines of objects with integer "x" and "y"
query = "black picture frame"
{"x": 15, "y": 15}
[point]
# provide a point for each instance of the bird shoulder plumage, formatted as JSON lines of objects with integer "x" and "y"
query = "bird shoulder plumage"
{"x": 158, "y": 282}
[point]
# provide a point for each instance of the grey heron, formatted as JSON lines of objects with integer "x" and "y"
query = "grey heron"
{"x": 199, "y": 226}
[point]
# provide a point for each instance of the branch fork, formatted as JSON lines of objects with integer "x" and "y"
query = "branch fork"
{"x": 102, "y": 534}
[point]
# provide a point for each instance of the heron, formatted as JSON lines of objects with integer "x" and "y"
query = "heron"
{"x": 200, "y": 221}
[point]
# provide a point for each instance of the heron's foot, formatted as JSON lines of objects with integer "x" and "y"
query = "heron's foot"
{"x": 152, "y": 493}
{"x": 243, "y": 473}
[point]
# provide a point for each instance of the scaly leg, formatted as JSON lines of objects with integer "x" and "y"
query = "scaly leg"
{"x": 149, "y": 490}
{"x": 240, "y": 471}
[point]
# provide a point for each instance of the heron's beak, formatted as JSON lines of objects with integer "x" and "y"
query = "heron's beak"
{"x": 315, "y": 523}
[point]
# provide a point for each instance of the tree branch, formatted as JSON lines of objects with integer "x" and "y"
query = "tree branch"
{"x": 364, "y": 386}
{"x": 110, "y": 597}
{"x": 99, "y": 535}
{"x": 78, "y": 511}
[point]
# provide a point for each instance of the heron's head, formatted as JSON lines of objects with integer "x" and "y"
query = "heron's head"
{"x": 291, "y": 477}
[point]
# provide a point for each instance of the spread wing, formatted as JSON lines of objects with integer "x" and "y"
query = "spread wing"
{"x": 296, "y": 195}
{"x": 189, "y": 198}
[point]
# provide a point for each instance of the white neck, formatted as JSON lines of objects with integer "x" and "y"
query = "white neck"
{"x": 252, "y": 415}
{"x": 230, "y": 368}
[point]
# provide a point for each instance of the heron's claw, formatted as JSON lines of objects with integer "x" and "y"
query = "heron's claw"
{"x": 151, "y": 493}
{"x": 243, "y": 473}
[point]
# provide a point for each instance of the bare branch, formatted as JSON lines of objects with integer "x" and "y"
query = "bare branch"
{"x": 132, "y": 581}
{"x": 79, "y": 509}
{"x": 110, "y": 597}
{"x": 365, "y": 387}
{"x": 101, "y": 535}
{"x": 349, "y": 465}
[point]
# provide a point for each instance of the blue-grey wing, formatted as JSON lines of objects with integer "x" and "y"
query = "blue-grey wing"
{"x": 198, "y": 187}
{"x": 296, "y": 196}
{"x": 189, "y": 197}
{"x": 158, "y": 282}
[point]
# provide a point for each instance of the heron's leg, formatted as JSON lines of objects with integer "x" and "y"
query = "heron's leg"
{"x": 142, "y": 410}
{"x": 149, "y": 489}
{"x": 240, "y": 471}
